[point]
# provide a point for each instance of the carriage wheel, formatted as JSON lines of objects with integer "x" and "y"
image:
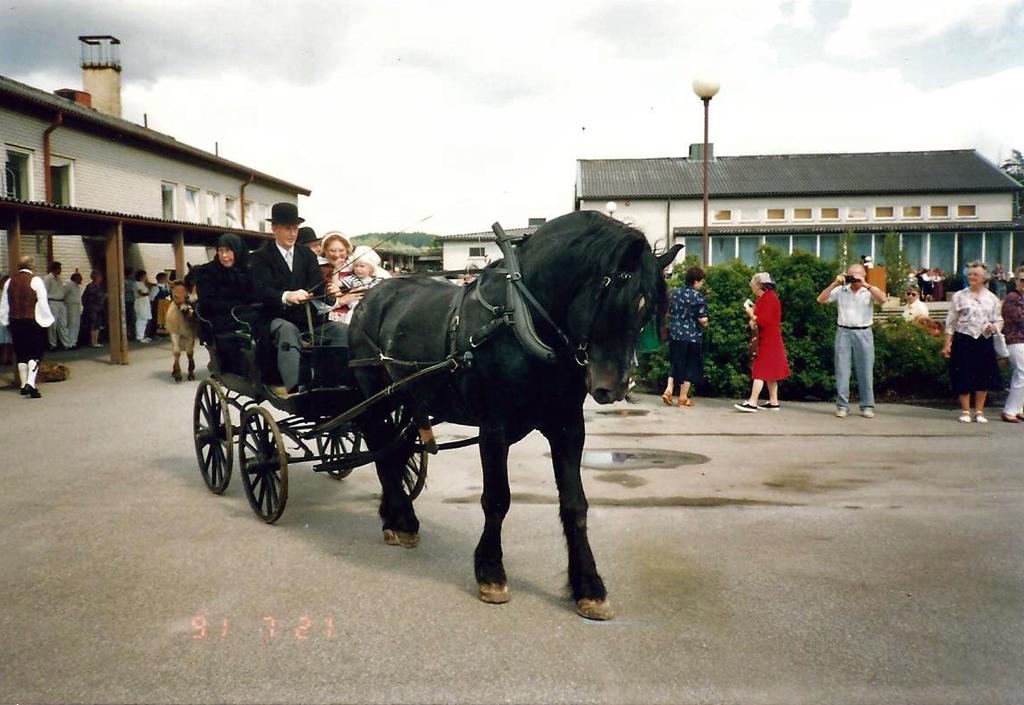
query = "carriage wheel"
{"x": 264, "y": 464}
{"x": 336, "y": 446}
{"x": 213, "y": 433}
{"x": 415, "y": 476}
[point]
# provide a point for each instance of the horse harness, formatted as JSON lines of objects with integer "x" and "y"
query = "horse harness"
{"x": 519, "y": 298}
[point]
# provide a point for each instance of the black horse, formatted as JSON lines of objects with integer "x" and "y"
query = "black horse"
{"x": 599, "y": 282}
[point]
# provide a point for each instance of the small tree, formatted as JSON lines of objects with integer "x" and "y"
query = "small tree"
{"x": 847, "y": 249}
{"x": 897, "y": 269}
{"x": 1014, "y": 166}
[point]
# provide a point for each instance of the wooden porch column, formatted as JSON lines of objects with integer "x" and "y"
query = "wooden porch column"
{"x": 115, "y": 295}
{"x": 14, "y": 244}
{"x": 179, "y": 254}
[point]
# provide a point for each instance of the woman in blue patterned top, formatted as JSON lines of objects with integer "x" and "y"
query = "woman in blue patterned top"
{"x": 687, "y": 314}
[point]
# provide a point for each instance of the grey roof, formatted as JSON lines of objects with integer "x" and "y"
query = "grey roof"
{"x": 12, "y": 92}
{"x": 957, "y": 171}
{"x": 487, "y": 236}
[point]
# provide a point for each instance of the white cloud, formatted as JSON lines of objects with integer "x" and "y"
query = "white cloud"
{"x": 472, "y": 114}
{"x": 875, "y": 26}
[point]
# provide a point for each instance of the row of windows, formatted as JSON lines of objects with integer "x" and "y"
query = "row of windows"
{"x": 946, "y": 250}
{"x": 218, "y": 210}
{"x": 756, "y": 215}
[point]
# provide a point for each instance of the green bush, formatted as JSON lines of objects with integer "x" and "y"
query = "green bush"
{"x": 907, "y": 360}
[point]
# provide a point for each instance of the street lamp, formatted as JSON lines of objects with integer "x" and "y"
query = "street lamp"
{"x": 611, "y": 207}
{"x": 706, "y": 88}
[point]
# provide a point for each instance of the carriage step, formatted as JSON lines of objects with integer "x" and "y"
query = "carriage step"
{"x": 353, "y": 460}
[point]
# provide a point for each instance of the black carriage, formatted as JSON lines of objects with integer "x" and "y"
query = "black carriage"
{"x": 231, "y": 409}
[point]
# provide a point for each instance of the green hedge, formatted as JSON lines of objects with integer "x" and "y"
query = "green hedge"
{"x": 908, "y": 362}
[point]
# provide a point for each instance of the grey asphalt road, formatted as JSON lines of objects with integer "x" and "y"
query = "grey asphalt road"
{"x": 783, "y": 557}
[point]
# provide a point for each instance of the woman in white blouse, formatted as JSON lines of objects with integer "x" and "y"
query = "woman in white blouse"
{"x": 974, "y": 317}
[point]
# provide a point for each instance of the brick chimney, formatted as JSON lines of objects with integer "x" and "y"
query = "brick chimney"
{"x": 101, "y": 72}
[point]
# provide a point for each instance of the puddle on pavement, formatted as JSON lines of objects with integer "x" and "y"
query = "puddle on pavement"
{"x": 622, "y": 478}
{"x": 623, "y": 459}
{"x": 623, "y": 412}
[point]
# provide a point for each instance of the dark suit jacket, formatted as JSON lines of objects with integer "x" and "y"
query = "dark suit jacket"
{"x": 273, "y": 279}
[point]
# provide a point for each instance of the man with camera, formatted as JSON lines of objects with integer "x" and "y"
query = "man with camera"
{"x": 855, "y": 343}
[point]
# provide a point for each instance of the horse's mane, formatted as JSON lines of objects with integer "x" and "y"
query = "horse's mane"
{"x": 593, "y": 240}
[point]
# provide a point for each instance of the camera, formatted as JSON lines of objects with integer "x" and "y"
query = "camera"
{"x": 850, "y": 279}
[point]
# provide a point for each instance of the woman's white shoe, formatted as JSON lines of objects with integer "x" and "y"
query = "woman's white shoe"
{"x": 965, "y": 417}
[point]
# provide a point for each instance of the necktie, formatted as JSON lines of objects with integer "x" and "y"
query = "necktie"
{"x": 288, "y": 259}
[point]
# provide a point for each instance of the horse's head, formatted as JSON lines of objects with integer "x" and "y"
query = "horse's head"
{"x": 613, "y": 284}
{"x": 180, "y": 297}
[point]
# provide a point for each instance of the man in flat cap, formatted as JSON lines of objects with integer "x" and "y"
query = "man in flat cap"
{"x": 287, "y": 276}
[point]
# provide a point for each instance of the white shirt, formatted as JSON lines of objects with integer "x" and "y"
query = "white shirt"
{"x": 42, "y": 313}
{"x": 54, "y": 287}
{"x": 288, "y": 255}
{"x": 969, "y": 313}
{"x": 914, "y": 310}
{"x": 856, "y": 309}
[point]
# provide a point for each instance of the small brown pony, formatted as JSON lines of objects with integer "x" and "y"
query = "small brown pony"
{"x": 181, "y": 324}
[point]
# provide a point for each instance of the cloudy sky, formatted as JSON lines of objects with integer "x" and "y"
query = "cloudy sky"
{"x": 470, "y": 112}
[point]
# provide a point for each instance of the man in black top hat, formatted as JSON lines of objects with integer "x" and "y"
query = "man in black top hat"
{"x": 307, "y": 237}
{"x": 286, "y": 278}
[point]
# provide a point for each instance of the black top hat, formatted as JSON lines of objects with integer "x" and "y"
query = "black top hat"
{"x": 306, "y": 236}
{"x": 285, "y": 214}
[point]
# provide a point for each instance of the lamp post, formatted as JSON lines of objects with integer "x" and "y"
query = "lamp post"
{"x": 706, "y": 88}
{"x": 611, "y": 207}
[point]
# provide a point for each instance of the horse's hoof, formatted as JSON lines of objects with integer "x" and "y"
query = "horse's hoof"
{"x": 494, "y": 593}
{"x": 590, "y": 608}
{"x": 191, "y": 377}
{"x": 401, "y": 538}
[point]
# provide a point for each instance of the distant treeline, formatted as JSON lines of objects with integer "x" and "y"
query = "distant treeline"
{"x": 415, "y": 242}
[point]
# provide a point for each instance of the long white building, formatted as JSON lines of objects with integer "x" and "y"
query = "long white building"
{"x": 948, "y": 207}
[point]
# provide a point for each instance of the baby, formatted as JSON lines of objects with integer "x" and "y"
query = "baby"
{"x": 363, "y": 278}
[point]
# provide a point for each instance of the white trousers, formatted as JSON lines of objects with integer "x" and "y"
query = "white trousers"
{"x": 74, "y": 322}
{"x": 57, "y": 334}
{"x": 1015, "y": 398}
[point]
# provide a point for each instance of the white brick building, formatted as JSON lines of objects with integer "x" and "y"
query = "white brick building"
{"x": 94, "y": 191}
{"x": 949, "y": 207}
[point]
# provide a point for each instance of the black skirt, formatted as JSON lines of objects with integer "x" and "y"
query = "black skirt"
{"x": 28, "y": 338}
{"x": 972, "y": 365}
{"x": 687, "y": 361}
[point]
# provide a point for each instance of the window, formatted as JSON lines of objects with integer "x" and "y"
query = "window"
{"x": 261, "y": 214}
{"x": 938, "y": 211}
{"x": 477, "y": 251}
{"x": 723, "y": 249}
{"x": 857, "y": 213}
{"x": 18, "y": 175}
{"x": 192, "y": 205}
{"x": 911, "y": 211}
{"x": 968, "y": 248}
{"x": 60, "y": 181}
{"x": 830, "y": 214}
{"x": 167, "y": 199}
{"x": 250, "y": 215}
{"x": 807, "y": 243}
{"x": 828, "y": 247}
{"x": 776, "y": 214}
{"x": 724, "y": 215}
{"x": 779, "y": 241}
{"x": 941, "y": 251}
{"x": 966, "y": 211}
{"x": 748, "y": 250}
{"x": 801, "y": 214}
{"x": 913, "y": 249}
{"x": 214, "y": 212}
{"x": 885, "y": 212}
{"x": 231, "y": 212}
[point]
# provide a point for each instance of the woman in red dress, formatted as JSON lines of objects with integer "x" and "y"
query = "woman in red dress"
{"x": 770, "y": 360}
